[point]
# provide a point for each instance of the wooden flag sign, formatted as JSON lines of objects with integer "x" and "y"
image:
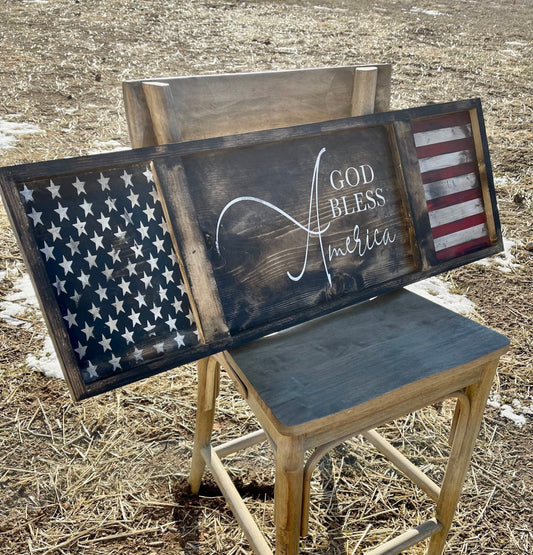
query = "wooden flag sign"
{"x": 146, "y": 259}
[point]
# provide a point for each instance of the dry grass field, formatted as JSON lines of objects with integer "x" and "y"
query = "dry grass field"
{"x": 107, "y": 475}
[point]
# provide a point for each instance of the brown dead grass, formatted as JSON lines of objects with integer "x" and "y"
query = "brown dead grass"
{"x": 107, "y": 475}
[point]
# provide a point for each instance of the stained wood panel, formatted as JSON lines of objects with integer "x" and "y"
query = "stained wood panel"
{"x": 215, "y": 105}
{"x": 147, "y": 259}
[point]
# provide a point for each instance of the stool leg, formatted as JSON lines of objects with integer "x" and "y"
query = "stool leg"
{"x": 208, "y": 383}
{"x": 463, "y": 445}
{"x": 288, "y": 493}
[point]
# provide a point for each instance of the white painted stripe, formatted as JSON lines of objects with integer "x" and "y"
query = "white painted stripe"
{"x": 460, "y": 237}
{"x": 458, "y": 184}
{"x": 425, "y": 138}
{"x": 445, "y": 160}
{"x": 456, "y": 212}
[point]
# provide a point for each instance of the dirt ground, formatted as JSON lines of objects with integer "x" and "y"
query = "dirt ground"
{"x": 106, "y": 476}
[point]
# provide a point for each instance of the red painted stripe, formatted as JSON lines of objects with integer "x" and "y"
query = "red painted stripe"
{"x": 465, "y": 248}
{"x": 459, "y": 225}
{"x": 446, "y": 120}
{"x": 456, "y": 198}
{"x": 446, "y": 173}
{"x": 467, "y": 143}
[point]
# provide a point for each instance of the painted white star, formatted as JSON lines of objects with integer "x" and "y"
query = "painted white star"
{"x": 138, "y": 354}
{"x": 111, "y": 203}
{"x": 95, "y": 311}
{"x": 128, "y": 336}
{"x": 108, "y": 273}
{"x": 155, "y": 195}
{"x": 111, "y": 324}
{"x": 67, "y": 266}
{"x": 106, "y": 343}
{"x": 48, "y": 251}
{"x": 127, "y": 217}
{"x": 70, "y": 318}
{"x": 143, "y": 230}
{"x": 164, "y": 226}
{"x": 140, "y": 299}
{"x": 177, "y": 305}
{"x": 104, "y": 182}
{"x": 119, "y": 305}
{"x": 27, "y": 193}
{"x": 91, "y": 370}
{"x": 126, "y": 177}
{"x": 159, "y": 347}
{"x": 169, "y": 275}
{"x": 81, "y": 350}
{"x": 55, "y": 232}
{"x": 190, "y": 317}
{"x": 137, "y": 249}
{"x": 62, "y": 211}
{"x": 59, "y": 285}
{"x": 149, "y": 211}
{"x": 153, "y": 262}
{"x": 133, "y": 198}
{"x": 36, "y": 217}
{"x": 91, "y": 260}
{"x": 179, "y": 340}
{"x": 156, "y": 311}
{"x": 115, "y": 255}
{"x": 134, "y": 317}
{"x": 80, "y": 226}
{"x": 182, "y": 288}
{"x": 79, "y": 186}
{"x": 76, "y": 297}
{"x": 148, "y": 174}
{"x": 162, "y": 293}
{"x": 104, "y": 222}
{"x": 101, "y": 292}
{"x": 84, "y": 278}
{"x": 131, "y": 268}
{"x": 87, "y": 207}
{"x": 147, "y": 280}
{"x": 125, "y": 286}
{"x": 173, "y": 257}
{"x": 149, "y": 328}
{"x": 54, "y": 190}
{"x": 73, "y": 246}
{"x": 88, "y": 331}
{"x": 115, "y": 363}
{"x": 120, "y": 234}
{"x": 97, "y": 240}
{"x": 159, "y": 244}
{"x": 171, "y": 323}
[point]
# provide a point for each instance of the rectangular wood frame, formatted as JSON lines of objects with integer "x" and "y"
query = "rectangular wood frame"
{"x": 201, "y": 181}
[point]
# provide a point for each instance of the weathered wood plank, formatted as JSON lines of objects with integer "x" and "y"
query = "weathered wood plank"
{"x": 216, "y": 105}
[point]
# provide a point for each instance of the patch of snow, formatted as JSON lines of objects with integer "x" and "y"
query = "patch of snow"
{"x": 434, "y": 13}
{"x": 10, "y": 130}
{"x": 509, "y": 413}
{"x": 21, "y": 300}
{"x": 12, "y": 310}
{"x": 326, "y": 8}
{"x": 438, "y": 291}
{"x": 503, "y": 261}
{"x": 515, "y": 412}
{"x": 108, "y": 146}
{"x": 47, "y": 363}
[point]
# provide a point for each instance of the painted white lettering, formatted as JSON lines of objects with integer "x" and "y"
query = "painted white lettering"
{"x": 354, "y": 243}
{"x": 367, "y": 178}
{"x": 351, "y": 183}
{"x": 340, "y": 183}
